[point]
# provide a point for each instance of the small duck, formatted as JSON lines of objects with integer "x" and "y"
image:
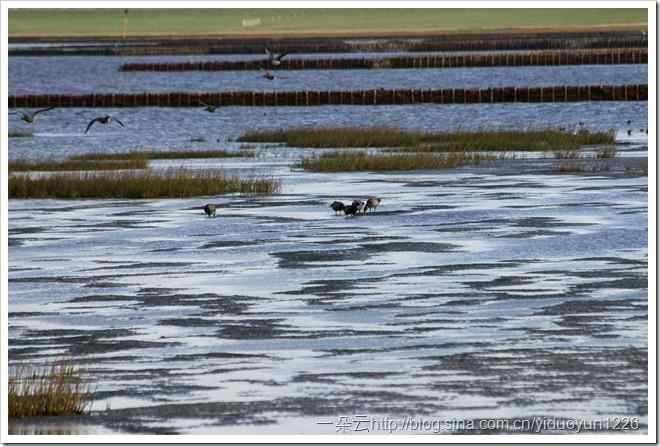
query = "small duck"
{"x": 107, "y": 119}
{"x": 209, "y": 209}
{"x": 29, "y": 117}
{"x": 337, "y": 206}
{"x": 629, "y": 132}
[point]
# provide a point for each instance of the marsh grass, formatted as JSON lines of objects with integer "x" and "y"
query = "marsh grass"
{"x": 608, "y": 151}
{"x": 417, "y": 141}
{"x": 59, "y": 390}
{"x": 143, "y": 184}
{"x": 162, "y": 155}
{"x": 568, "y": 154}
{"x": 20, "y": 133}
{"x": 360, "y": 161}
{"x": 76, "y": 165}
{"x": 637, "y": 172}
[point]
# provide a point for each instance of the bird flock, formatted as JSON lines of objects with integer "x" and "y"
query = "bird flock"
{"x": 355, "y": 208}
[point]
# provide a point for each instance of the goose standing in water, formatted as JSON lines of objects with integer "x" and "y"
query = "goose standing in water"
{"x": 352, "y": 209}
{"x": 209, "y": 209}
{"x": 337, "y": 206}
{"x": 103, "y": 120}
{"x": 29, "y": 117}
{"x": 372, "y": 203}
{"x": 275, "y": 59}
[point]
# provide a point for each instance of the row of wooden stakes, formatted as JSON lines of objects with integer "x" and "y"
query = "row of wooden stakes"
{"x": 633, "y": 92}
{"x": 537, "y": 58}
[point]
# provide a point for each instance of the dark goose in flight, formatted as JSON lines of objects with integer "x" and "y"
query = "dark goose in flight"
{"x": 29, "y": 117}
{"x": 103, "y": 120}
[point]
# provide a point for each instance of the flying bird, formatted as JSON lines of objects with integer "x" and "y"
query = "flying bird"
{"x": 29, "y": 117}
{"x": 209, "y": 107}
{"x": 103, "y": 120}
{"x": 275, "y": 59}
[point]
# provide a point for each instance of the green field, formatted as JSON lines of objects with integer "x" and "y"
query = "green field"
{"x": 197, "y": 22}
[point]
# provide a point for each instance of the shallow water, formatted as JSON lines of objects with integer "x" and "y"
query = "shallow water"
{"x": 503, "y": 295}
{"x": 98, "y": 74}
{"x": 498, "y": 291}
{"x": 60, "y": 132}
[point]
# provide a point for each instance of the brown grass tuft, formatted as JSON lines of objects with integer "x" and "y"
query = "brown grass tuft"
{"x": 55, "y": 391}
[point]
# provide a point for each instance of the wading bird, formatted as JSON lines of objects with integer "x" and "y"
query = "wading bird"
{"x": 29, "y": 117}
{"x": 337, "y": 206}
{"x": 275, "y": 59}
{"x": 103, "y": 120}
{"x": 372, "y": 203}
{"x": 209, "y": 209}
{"x": 351, "y": 210}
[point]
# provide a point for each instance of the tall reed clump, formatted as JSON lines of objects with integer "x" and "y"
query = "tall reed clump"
{"x": 360, "y": 161}
{"x": 158, "y": 155}
{"x": 144, "y": 184}
{"x": 76, "y": 165}
{"x": 56, "y": 391}
{"x": 418, "y": 141}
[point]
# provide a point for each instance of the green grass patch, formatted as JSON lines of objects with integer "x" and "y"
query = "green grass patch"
{"x": 158, "y": 155}
{"x": 56, "y": 391}
{"x": 20, "y": 133}
{"x": 418, "y": 141}
{"x": 360, "y": 161}
{"x": 76, "y": 165}
{"x": 316, "y": 21}
{"x": 142, "y": 184}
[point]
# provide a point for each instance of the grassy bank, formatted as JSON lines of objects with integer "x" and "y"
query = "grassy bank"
{"x": 360, "y": 161}
{"x": 57, "y": 391}
{"x": 191, "y": 22}
{"x": 158, "y": 155}
{"x": 76, "y": 165}
{"x": 143, "y": 184}
{"x": 417, "y": 141}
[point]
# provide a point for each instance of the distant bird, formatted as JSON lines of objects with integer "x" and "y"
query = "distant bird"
{"x": 268, "y": 75}
{"x": 628, "y": 122}
{"x": 275, "y": 59}
{"x": 209, "y": 209}
{"x": 351, "y": 210}
{"x": 372, "y": 203}
{"x": 359, "y": 205}
{"x": 29, "y": 117}
{"x": 337, "y": 206}
{"x": 103, "y": 120}
{"x": 209, "y": 107}
{"x": 629, "y": 132}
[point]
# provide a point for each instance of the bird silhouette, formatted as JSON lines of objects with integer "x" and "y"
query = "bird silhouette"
{"x": 267, "y": 74}
{"x": 103, "y": 120}
{"x": 275, "y": 59}
{"x": 29, "y": 117}
{"x": 209, "y": 107}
